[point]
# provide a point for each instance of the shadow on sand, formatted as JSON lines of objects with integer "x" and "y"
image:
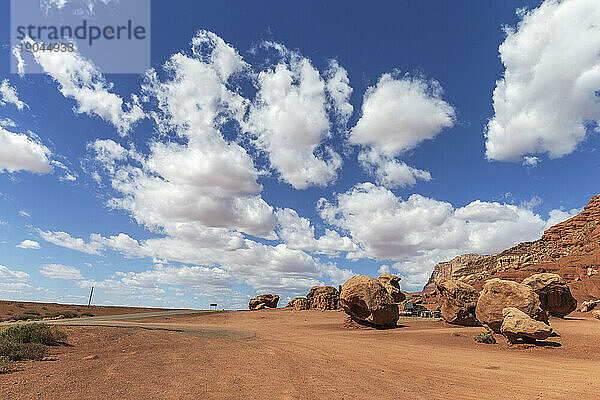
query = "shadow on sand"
{"x": 350, "y": 322}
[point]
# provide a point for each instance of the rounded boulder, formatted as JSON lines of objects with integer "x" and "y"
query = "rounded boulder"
{"x": 365, "y": 299}
{"x": 498, "y": 294}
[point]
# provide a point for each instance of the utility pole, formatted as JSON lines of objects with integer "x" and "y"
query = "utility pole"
{"x": 91, "y": 293}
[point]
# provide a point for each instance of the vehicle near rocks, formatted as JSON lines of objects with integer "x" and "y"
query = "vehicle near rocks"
{"x": 410, "y": 309}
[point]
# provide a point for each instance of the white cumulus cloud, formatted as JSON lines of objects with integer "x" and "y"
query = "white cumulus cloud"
{"x": 298, "y": 233}
{"x": 29, "y": 244}
{"x": 290, "y": 121}
{"x": 547, "y": 100}
{"x": 419, "y": 232}
{"x": 19, "y": 152}
{"x": 59, "y": 271}
{"x": 9, "y": 275}
{"x": 8, "y": 95}
{"x": 79, "y": 79}
{"x": 398, "y": 114}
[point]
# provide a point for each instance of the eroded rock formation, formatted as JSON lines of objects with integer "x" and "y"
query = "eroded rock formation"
{"x": 392, "y": 285}
{"x": 570, "y": 249}
{"x": 299, "y": 303}
{"x": 499, "y": 294}
{"x": 457, "y": 302}
{"x": 323, "y": 298}
{"x": 365, "y": 299}
{"x": 555, "y": 295}
{"x": 263, "y": 301}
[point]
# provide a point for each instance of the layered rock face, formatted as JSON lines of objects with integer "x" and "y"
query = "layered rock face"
{"x": 570, "y": 249}
{"x": 518, "y": 325}
{"x": 555, "y": 295}
{"x": 365, "y": 299}
{"x": 263, "y": 301}
{"x": 457, "y": 302}
{"x": 323, "y": 298}
{"x": 392, "y": 285}
{"x": 446, "y": 269}
{"x": 499, "y": 294}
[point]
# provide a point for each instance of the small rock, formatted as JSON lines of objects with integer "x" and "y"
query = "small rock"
{"x": 596, "y": 314}
{"x": 91, "y": 357}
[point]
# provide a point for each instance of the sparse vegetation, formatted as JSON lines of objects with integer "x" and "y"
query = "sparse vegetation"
{"x": 27, "y": 342}
{"x": 6, "y": 365}
{"x": 33, "y": 333}
{"x": 485, "y": 337}
{"x": 22, "y": 351}
{"x": 35, "y": 316}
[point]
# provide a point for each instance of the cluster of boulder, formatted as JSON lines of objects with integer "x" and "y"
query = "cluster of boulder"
{"x": 318, "y": 298}
{"x": 516, "y": 310}
{"x": 263, "y": 301}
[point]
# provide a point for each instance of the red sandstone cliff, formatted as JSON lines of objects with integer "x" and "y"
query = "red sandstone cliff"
{"x": 570, "y": 249}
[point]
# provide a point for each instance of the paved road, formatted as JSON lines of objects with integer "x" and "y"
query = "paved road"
{"x": 120, "y": 321}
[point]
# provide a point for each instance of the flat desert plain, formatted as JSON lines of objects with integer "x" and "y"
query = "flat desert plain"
{"x": 310, "y": 355}
{"x": 11, "y": 309}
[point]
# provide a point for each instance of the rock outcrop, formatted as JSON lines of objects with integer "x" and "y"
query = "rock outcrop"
{"x": 365, "y": 299}
{"x": 263, "y": 301}
{"x": 457, "y": 302}
{"x": 499, "y": 294}
{"x": 391, "y": 283}
{"x": 589, "y": 305}
{"x": 323, "y": 298}
{"x": 554, "y": 293}
{"x": 299, "y": 303}
{"x": 447, "y": 270}
{"x": 518, "y": 325}
{"x": 569, "y": 249}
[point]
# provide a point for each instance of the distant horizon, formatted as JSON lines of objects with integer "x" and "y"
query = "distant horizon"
{"x": 269, "y": 149}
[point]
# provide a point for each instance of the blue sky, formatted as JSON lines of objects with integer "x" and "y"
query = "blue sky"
{"x": 294, "y": 144}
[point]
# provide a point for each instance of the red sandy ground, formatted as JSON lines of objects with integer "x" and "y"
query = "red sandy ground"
{"x": 311, "y": 355}
{"x": 16, "y": 308}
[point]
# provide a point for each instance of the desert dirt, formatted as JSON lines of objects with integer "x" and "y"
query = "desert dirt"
{"x": 311, "y": 355}
{"x": 9, "y": 309}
